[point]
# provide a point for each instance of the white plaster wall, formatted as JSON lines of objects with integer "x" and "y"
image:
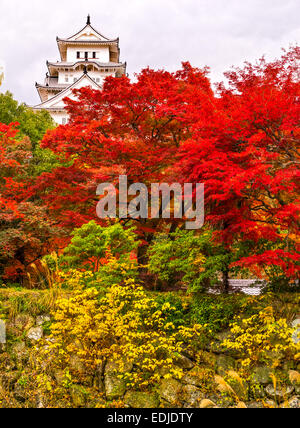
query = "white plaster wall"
{"x": 102, "y": 53}
{"x": 71, "y": 76}
{"x": 58, "y": 117}
{"x": 77, "y": 74}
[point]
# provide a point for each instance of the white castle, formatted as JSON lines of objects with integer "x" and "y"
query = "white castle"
{"x": 87, "y": 58}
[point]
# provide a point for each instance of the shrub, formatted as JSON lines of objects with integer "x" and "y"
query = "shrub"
{"x": 99, "y": 256}
{"x": 262, "y": 339}
{"x": 193, "y": 258}
{"x": 216, "y": 311}
{"x": 92, "y": 243}
{"x": 126, "y": 326}
{"x": 179, "y": 314}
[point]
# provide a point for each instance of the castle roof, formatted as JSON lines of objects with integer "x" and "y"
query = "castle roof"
{"x": 52, "y": 103}
{"x": 87, "y": 36}
{"x": 74, "y": 64}
{"x": 53, "y": 67}
{"x": 88, "y": 27}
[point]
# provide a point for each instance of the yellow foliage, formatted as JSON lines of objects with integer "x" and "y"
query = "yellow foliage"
{"x": 125, "y": 326}
{"x": 261, "y": 338}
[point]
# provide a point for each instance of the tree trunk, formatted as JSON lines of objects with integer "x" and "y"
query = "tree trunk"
{"x": 225, "y": 280}
{"x": 142, "y": 258}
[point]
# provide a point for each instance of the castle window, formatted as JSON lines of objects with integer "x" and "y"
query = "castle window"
{"x": 86, "y": 56}
{"x": 94, "y": 55}
{"x": 64, "y": 121}
{"x": 66, "y": 79}
{"x": 78, "y": 55}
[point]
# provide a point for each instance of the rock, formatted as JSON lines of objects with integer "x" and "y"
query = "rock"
{"x": 183, "y": 362}
{"x": 20, "y": 353}
{"x": 23, "y": 322}
{"x": 78, "y": 396}
{"x": 294, "y": 403}
{"x": 271, "y": 404}
{"x": 141, "y": 400}
{"x": 224, "y": 364}
{"x": 255, "y": 405}
{"x": 2, "y": 332}
{"x": 20, "y": 393}
{"x": 40, "y": 402}
{"x": 41, "y": 319}
{"x": 35, "y": 334}
{"x": 191, "y": 379}
{"x": 296, "y": 334}
{"x": 8, "y": 380}
{"x": 165, "y": 404}
{"x": 170, "y": 390}
{"x": 206, "y": 404}
{"x": 279, "y": 394}
{"x": 223, "y": 335}
{"x": 196, "y": 375}
{"x": 60, "y": 377}
{"x": 207, "y": 358}
{"x": 114, "y": 367}
{"x": 191, "y": 396}
{"x": 262, "y": 375}
{"x": 76, "y": 364}
{"x": 98, "y": 381}
{"x": 294, "y": 377}
{"x": 114, "y": 386}
{"x": 238, "y": 385}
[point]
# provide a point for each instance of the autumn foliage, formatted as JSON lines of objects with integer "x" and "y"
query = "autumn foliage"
{"x": 241, "y": 140}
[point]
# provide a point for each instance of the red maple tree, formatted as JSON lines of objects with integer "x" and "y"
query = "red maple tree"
{"x": 130, "y": 128}
{"x": 242, "y": 143}
{"x": 26, "y": 232}
{"x": 248, "y": 158}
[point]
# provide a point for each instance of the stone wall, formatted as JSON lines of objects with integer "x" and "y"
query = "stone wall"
{"x": 20, "y": 334}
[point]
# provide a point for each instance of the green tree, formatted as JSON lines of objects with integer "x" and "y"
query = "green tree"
{"x": 32, "y": 124}
{"x": 190, "y": 258}
{"x": 93, "y": 244}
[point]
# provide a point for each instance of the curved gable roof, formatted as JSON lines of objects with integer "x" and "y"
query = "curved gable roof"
{"x": 87, "y": 28}
{"x": 64, "y": 92}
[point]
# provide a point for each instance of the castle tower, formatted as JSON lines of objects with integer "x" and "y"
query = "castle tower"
{"x": 86, "y": 59}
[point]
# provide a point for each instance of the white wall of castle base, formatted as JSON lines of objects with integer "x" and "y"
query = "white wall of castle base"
{"x": 61, "y": 118}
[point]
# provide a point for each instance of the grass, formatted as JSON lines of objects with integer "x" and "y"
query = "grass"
{"x": 23, "y": 301}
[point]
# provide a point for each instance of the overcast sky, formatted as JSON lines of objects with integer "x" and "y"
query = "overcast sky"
{"x": 155, "y": 33}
